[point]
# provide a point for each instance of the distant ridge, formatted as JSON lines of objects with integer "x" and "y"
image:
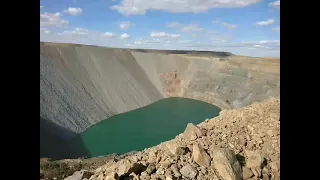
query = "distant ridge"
{"x": 189, "y": 52}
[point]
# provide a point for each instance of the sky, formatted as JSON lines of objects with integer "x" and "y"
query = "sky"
{"x": 242, "y": 27}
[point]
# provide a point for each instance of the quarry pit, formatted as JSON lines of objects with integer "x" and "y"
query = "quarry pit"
{"x": 81, "y": 85}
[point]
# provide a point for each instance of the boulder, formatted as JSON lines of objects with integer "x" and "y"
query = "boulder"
{"x": 192, "y": 132}
{"x": 225, "y": 163}
{"x": 150, "y": 169}
{"x": 188, "y": 171}
{"x": 174, "y": 149}
{"x": 200, "y": 156}
{"x": 254, "y": 159}
{"x": 246, "y": 173}
{"x": 175, "y": 170}
{"x": 79, "y": 175}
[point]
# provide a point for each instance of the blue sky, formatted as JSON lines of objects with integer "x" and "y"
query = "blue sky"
{"x": 243, "y": 27}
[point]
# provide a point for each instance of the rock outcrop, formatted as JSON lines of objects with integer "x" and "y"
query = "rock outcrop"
{"x": 238, "y": 144}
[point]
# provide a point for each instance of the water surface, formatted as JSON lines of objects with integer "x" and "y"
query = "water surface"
{"x": 143, "y": 127}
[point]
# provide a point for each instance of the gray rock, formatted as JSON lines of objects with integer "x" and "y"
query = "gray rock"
{"x": 79, "y": 175}
{"x": 188, "y": 171}
{"x": 192, "y": 132}
{"x": 200, "y": 156}
{"x": 226, "y": 164}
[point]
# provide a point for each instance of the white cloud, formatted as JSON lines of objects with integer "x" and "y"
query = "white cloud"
{"x": 41, "y": 7}
{"x": 147, "y": 42}
{"x": 257, "y": 46}
{"x": 76, "y": 31}
{"x": 163, "y": 34}
{"x": 186, "y": 28}
{"x": 220, "y": 38}
{"x": 275, "y": 4}
{"x": 185, "y": 42}
{"x": 191, "y": 28}
{"x": 124, "y": 36}
{"x": 91, "y": 38}
{"x": 152, "y": 41}
{"x": 265, "y": 23}
{"x": 140, "y": 7}
{"x": 270, "y": 48}
{"x": 229, "y": 26}
{"x": 125, "y": 25}
{"x": 276, "y": 29}
{"x": 262, "y": 43}
{"x": 226, "y": 25}
{"x": 46, "y": 31}
{"x": 109, "y": 34}
{"x": 52, "y": 19}
{"x": 175, "y": 25}
{"x": 74, "y": 11}
{"x": 138, "y": 42}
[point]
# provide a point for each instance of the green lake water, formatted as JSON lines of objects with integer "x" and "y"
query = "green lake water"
{"x": 142, "y": 128}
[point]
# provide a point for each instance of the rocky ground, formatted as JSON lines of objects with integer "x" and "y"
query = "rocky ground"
{"x": 238, "y": 144}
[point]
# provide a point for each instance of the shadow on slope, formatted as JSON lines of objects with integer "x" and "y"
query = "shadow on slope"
{"x": 54, "y": 142}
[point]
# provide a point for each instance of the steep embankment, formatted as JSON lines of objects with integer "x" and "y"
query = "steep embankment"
{"x": 82, "y": 85}
{"x": 238, "y": 144}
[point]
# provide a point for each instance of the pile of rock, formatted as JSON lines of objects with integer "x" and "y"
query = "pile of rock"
{"x": 238, "y": 144}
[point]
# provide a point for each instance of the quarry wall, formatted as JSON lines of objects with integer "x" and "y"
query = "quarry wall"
{"x": 82, "y": 85}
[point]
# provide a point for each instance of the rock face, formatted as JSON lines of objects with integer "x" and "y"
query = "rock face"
{"x": 200, "y": 156}
{"x": 192, "y": 132}
{"x": 175, "y": 149}
{"x": 226, "y": 164}
{"x": 236, "y": 145}
{"x": 82, "y": 85}
{"x": 246, "y": 173}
